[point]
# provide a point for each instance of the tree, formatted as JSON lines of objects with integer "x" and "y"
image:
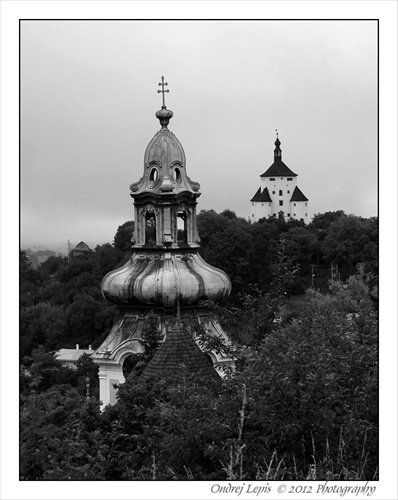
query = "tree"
{"x": 226, "y": 244}
{"x": 123, "y": 236}
{"x": 351, "y": 240}
{"x": 41, "y": 370}
{"x": 317, "y": 384}
{"x": 43, "y": 324}
{"x": 107, "y": 259}
{"x": 29, "y": 280}
{"x": 84, "y": 320}
{"x": 58, "y": 439}
{"x": 50, "y": 266}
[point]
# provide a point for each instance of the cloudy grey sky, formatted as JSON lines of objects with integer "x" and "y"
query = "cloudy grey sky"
{"x": 89, "y": 97}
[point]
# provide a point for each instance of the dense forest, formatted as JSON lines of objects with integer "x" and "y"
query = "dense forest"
{"x": 301, "y": 404}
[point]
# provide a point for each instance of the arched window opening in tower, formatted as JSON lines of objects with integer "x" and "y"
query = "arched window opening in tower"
{"x": 150, "y": 228}
{"x": 280, "y": 192}
{"x": 128, "y": 364}
{"x": 182, "y": 237}
{"x": 177, "y": 175}
{"x": 153, "y": 177}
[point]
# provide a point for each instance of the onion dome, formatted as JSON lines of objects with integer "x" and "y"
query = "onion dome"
{"x": 165, "y": 279}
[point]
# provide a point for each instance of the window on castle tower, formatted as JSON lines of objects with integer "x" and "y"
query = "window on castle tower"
{"x": 272, "y": 178}
{"x": 290, "y": 178}
{"x": 280, "y": 192}
{"x": 280, "y": 203}
{"x": 273, "y": 192}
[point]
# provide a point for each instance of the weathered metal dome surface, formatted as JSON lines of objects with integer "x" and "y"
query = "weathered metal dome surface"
{"x": 165, "y": 279}
{"x": 164, "y": 163}
{"x": 165, "y": 149}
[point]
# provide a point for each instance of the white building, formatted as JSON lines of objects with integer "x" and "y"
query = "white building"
{"x": 278, "y": 194}
{"x": 69, "y": 357}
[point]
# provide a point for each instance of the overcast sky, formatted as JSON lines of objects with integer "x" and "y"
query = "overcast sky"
{"x": 89, "y": 97}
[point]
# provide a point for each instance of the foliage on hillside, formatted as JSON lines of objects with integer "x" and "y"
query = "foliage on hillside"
{"x": 246, "y": 251}
{"x": 302, "y": 403}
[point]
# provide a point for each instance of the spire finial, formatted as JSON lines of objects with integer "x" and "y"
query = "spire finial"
{"x": 163, "y": 84}
{"x": 164, "y": 114}
{"x": 277, "y": 150}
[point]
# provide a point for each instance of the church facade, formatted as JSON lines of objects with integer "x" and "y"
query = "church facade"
{"x": 279, "y": 194}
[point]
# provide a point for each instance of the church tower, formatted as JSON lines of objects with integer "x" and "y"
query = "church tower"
{"x": 278, "y": 194}
{"x": 165, "y": 274}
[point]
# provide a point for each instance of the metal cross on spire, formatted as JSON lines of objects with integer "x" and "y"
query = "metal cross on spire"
{"x": 163, "y": 84}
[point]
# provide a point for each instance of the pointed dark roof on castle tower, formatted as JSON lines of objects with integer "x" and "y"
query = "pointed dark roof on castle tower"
{"x": 262, "y": 196}
{"x": 298, "y": 195}
{"x": 278, "y": 168}
{"x": 179, "y": 353}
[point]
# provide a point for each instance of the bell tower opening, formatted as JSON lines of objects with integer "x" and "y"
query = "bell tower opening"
{"x": 182, "y": 236}
{"x": 150, "y": 228}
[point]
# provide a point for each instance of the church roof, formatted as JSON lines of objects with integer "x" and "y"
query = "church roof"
{"x": 262, "y": 196}
{"x": 298, "y": 195}
{"x": 278, "y": 169}
{"x": 179, "y": 353}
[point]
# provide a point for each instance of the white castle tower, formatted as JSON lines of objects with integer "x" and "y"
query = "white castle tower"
{"x": 278, "y": 194}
